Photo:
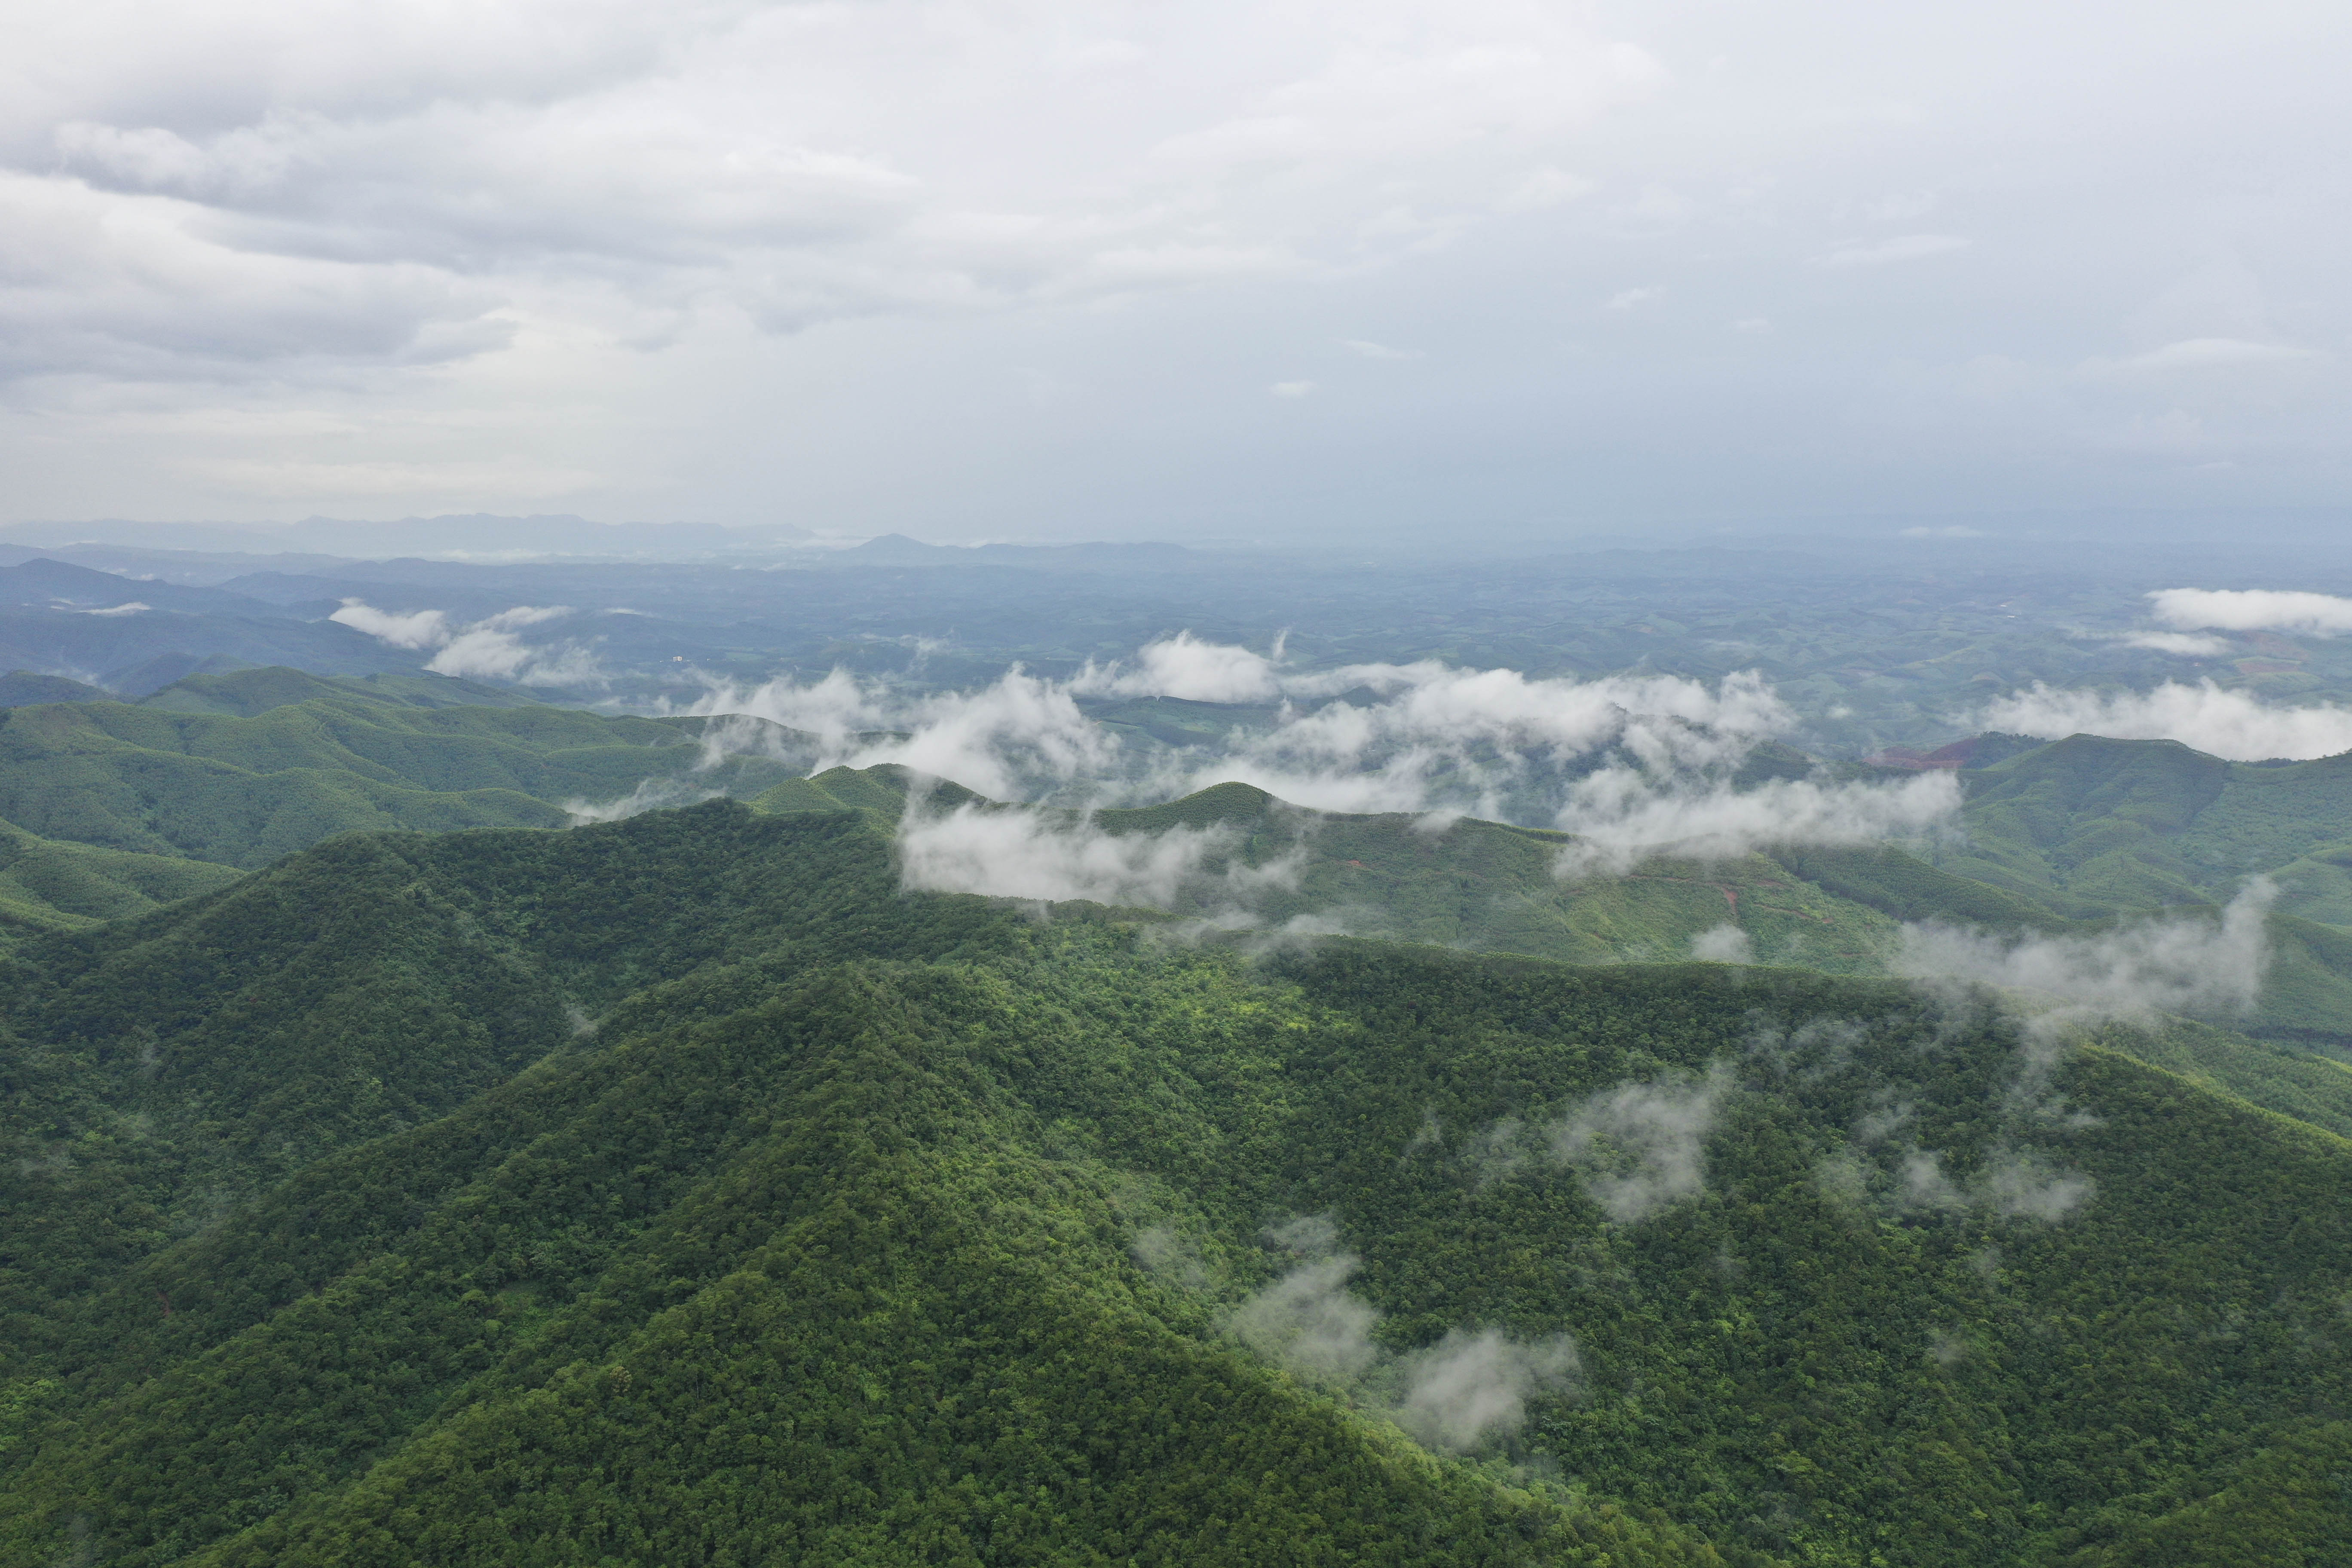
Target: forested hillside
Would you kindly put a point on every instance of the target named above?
(682, 1191)
(241, 769)
(236, 770)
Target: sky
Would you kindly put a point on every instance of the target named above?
(1276, 271)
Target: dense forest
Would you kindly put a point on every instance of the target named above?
(681, 1190)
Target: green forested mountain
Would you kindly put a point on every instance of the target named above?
(236, 770)
(680, 1190)
(240, 769)
(2087, 826)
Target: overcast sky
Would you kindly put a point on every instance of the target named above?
(1201, 272)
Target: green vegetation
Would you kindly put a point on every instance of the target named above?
(98, 799)
(19, 687)
(2089, 827)
(1490, 886)
(681, 1191)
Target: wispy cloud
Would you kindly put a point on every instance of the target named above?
(1016, 853)
(1641, 1147)
(2187, 645)
(2184, 965)
(489, 648)
(1471, 1387)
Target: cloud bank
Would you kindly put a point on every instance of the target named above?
(1633, 765)
(2180, 965)
(2225, 723)
(1621, 816)
(2251, 610)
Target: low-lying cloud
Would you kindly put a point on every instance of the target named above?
(1306, 1321)
(1407, 738)
(650, 794)
(1630, 765)
(1621, 816)
(2014, 1184)
(2187, 645)
(1018, 737)
(2253, 610)
(486, 649)
(1016, 853)
(1185, 667)
(1642, 1147)
(2223, 723)
(1470, 1387)
(1726, 943)
(2186, 965)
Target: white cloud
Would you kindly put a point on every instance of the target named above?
(1371, 350)
(1184, 666)
(1309, 1322)
(2179, 965)
(1476, 739)
(1726, 943)
(486, 649)
(1622, 815)
(650, 794)
(1410, 738)
(132, 608)
(2233, 724)
(1470, 1386)
(1626, 299)
(1014, 738)
(1641, 1146)
(2013, 1183)
(1291, 388)
(1880, 252)
(2253, 609)
(418, 629)
(1018, 853)
(2016, 1185)
(2185, 644)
